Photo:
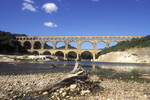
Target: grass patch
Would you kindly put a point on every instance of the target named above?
(134, 75)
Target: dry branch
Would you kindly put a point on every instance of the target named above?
(77, 74)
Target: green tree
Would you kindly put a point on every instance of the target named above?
(9, 45)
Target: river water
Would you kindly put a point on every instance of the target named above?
(12, 68)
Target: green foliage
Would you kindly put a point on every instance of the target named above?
(46, 46)
(37, 45)
(133, 75)
(69, 47)
(72, 55)
(86, 55)
(8, 44)
(98, 72)
(124, 45)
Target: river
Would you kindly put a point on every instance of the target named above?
(14, 68)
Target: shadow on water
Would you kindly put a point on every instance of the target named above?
(66, 66)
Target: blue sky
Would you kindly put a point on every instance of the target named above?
(75, 17)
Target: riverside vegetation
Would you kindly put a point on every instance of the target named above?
(8, 44)
(143, 42)
(133, 75)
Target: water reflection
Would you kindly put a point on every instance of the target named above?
(120, 68)
(94, 67)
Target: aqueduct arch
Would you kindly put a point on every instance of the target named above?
(37, 45)
(86, 54)
(73, 44)
(72, 54)
(46, 53)
(67, 39)
(48, 45)
(86, 45)
(27, 45)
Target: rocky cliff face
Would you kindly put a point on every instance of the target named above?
(138, 55)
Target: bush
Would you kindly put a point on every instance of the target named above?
(135, 73)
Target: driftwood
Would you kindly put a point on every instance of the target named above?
(53, 66)
(77, 74)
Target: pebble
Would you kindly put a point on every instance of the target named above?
(64, 94)
(73, 86)
(60, 91)
(67, 97)
(45, 93)
(56, 94)
(84, 92)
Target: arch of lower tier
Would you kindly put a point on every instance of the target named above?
(65, 52)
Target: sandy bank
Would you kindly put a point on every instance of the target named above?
(6, 58)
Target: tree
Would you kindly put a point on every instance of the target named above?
(9, 45)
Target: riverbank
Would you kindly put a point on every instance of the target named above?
(19, 58)
(6, 58)
(12, 86)
(134, 55)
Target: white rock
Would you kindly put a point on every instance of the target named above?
(83, 92)
(67, 96)
(45, 93)
(53, 97)
(64, 94)
(14, 97)
(60, 91)
(73, 86)
(58, 98)
(56, 93)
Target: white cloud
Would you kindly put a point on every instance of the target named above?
(95, 0)
(27, 6)
(50, 24)
(50, 7)
(29, 1)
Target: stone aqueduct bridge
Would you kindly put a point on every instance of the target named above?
(31, 41)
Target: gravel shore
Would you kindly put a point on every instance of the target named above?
(113, 89)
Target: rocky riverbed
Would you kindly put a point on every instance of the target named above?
(12, 86)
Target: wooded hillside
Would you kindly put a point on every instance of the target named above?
(124, 45)
(8, 44)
